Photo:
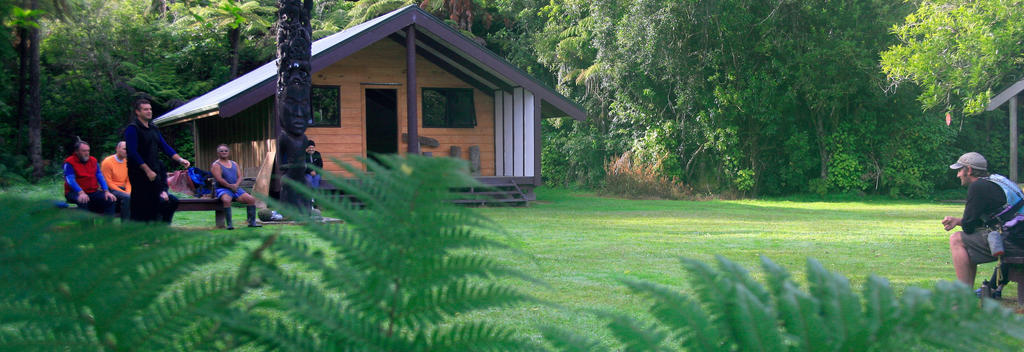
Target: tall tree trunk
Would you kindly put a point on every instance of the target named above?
(819, 131)
(23, 57)
(35, 122)
(233, 38)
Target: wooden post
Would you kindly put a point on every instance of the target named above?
(1013, 138)
(195, 143)
(410, 91)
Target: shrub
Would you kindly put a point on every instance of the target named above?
(625, 177)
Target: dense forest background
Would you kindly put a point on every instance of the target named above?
(726, 97)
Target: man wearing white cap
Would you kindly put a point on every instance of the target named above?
(988, 196)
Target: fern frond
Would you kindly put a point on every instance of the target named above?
(681, 315)
(391, 275)
(635, 336)
(275, 334)
(457, 297)
(753, 323)
(564, 340)
(841, 309)
(828, 316)
(737, 274)
(477, 336)
(83, 281)
(332, 320)
(881, 309)
(800, 314)
(190, 309)
(798, 311)
(441, 271)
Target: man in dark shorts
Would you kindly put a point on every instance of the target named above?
(229, 179)
(146, 172)
(987, 196)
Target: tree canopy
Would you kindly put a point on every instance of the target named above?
(729, 96)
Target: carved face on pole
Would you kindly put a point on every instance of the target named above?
(294, 109)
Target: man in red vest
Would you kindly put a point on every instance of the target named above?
(84, 184)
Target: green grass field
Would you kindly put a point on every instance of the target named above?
(580, 244)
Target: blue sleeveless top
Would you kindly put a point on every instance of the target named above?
(229, 174)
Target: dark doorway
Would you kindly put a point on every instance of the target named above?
(381, 122)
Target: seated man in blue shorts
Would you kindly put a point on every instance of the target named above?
(228, 175)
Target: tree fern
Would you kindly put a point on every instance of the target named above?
(71, 281)
(728, 310)
(396, 275)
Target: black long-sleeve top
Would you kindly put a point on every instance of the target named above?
(984, 199)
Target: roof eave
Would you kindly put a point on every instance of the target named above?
(366, 36)
(499, 64)
(321, 60)
(1005, 96)
(186, 116)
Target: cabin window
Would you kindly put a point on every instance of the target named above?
(448, 107)
(326, 106)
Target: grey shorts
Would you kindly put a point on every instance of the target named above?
(977, 246)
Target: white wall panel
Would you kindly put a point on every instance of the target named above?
(508, 137)
(528, 147)
(517, 132)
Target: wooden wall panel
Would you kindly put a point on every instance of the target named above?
(382, 65)
(249, 134)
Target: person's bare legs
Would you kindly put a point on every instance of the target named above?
(965, 271)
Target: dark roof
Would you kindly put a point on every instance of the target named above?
(435, 41)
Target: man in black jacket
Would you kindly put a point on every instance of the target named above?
(146, 172)
(313, 158)
(985, 198)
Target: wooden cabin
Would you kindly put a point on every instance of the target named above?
(462, 95)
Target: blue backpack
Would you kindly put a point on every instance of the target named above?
(200, 178)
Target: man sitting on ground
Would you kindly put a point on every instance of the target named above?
(987, 196)
(228, 175)
(115, 170)
(84, 184)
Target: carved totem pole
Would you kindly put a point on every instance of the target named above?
(294, 40)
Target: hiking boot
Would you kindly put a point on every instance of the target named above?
(250, 216)
(227, 218)
(996, 294)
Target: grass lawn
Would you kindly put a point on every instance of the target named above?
(580, 244)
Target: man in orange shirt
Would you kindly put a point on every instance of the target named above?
(115, 170)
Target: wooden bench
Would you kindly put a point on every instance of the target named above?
(203, 204)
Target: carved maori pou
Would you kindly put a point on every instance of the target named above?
(294, 39)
